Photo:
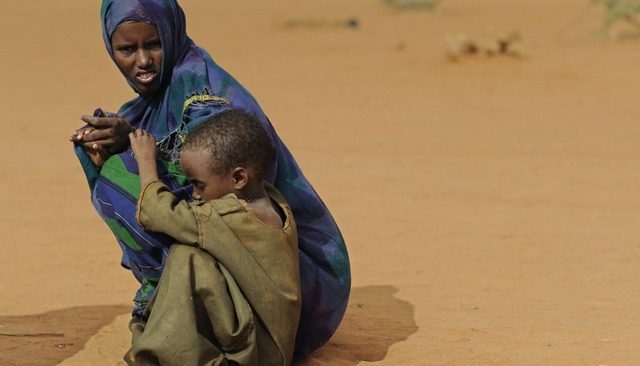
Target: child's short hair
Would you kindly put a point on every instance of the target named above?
(233, 138)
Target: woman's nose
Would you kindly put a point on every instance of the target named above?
(143, 58)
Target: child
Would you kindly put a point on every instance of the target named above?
(230, 290)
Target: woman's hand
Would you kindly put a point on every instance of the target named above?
(110, 134)
(97, 153)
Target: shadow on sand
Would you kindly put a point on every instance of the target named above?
(48, 339)
(375, 320)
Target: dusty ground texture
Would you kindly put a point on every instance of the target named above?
(490, 204)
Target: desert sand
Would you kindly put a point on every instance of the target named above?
(489, 203)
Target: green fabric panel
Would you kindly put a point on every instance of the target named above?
(175, 170)
(122, 234)
(115, 171)
(149, 285)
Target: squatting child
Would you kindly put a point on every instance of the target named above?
(230, 290)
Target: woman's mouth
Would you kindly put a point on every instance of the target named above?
(147, 77)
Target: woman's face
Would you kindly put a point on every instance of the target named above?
(138, 52)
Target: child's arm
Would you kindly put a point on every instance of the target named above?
(144, 149)
(158, 209)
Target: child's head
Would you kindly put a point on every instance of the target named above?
(226, 154)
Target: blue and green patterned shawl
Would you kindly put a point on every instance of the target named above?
(193, 87)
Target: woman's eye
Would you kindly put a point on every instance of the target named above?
(126, 49)
(154, 46)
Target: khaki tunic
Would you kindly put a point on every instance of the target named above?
(229, 294)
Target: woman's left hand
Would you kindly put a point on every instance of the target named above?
(111, 134)
(97, 154)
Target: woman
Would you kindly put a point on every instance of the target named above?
(179, 85)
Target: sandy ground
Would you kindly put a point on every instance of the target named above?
(489, 204)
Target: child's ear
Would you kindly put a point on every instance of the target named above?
(240, 177)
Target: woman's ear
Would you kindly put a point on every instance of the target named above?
(240, 177)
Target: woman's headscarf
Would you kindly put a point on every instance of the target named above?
(190, 81)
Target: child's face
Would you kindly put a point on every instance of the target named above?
(207, 185)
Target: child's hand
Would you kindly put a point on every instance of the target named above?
(144, 149)
(143, 145)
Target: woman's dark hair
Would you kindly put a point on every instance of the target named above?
(233, 138)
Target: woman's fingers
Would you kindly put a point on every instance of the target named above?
(78, 135)
(112, 132)
(97, 154)
(99, 136)
(100, 122)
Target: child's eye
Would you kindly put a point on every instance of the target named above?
(198, 187)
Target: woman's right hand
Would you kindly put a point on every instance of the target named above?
(110, 134)
(97, 154)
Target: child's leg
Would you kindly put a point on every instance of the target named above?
(198, 316)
